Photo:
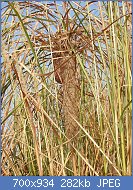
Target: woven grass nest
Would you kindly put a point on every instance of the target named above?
(66, 68)
(64, 46)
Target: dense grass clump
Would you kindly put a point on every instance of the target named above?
(66, 88)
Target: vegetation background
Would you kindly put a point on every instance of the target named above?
(66, 88)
